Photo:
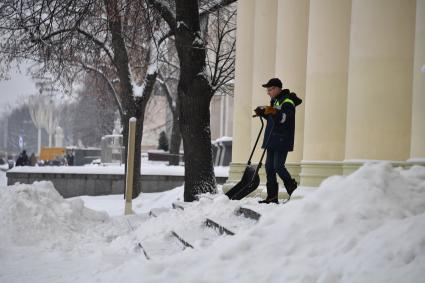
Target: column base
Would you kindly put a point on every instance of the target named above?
(308, 173)
(314, 172)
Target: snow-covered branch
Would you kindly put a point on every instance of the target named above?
(165, 12)
(214, 6)
(109, 83)
(167, 91)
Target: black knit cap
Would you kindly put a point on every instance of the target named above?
(273, 82)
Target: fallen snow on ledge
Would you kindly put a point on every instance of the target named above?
(146, 169)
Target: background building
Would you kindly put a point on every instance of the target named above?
(221, 116)
(357, 66)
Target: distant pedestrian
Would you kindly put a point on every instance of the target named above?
(33, 159)
(23, 159)
(70, 158)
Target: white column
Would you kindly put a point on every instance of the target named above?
(264, 61)
(326, 90)
(255, 64)
(243, 77)
(291, 59)
(417, 148)
(380, 79)
(59, 137)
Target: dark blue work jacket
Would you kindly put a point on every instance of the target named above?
(280, 129)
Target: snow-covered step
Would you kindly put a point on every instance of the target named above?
(233, 222)
(248, 213)
(262, 209)
(198, 236)
(159, 247)
(142, 250)
(179, 205)
(207, 196)
(181, 239)
(155, 212)
(220, 228)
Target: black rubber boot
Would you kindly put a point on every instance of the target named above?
(291, 186)
(272, 191)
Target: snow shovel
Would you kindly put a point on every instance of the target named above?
(250, 179)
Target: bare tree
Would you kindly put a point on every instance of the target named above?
(120, 41)
(20, 126)
(116, 39)
(168, 80)
(194, 91)
(37, 110)
(93, 112)
(221, 49)
(218, 28)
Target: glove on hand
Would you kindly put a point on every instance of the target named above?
(264, 111)
(270, 110)
(259, 111)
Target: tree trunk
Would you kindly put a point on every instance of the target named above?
(132, 107)
(195, 94)
(137, 109)
(199, 170)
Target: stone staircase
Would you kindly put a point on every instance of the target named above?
(198, 234)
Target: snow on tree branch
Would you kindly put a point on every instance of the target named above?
(166, 12)
(213, 6)
(109, 83)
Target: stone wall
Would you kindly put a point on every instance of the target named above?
(71, 185)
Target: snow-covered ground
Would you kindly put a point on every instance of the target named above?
(366, 227)
(3, 179)
(114, 204)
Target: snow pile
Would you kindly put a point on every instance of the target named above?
(4, 167)
(37, 212)
(3, 179)
(367, 227)
(114, 204)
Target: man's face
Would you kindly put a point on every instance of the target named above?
(273, 91)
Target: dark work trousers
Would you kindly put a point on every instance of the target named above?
(275, 163)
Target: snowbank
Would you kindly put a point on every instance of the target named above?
(34, 213)
(114, 204)
(3, 179)
(366, 227)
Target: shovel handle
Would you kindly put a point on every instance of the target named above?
(256, 141)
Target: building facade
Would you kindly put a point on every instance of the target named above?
(359, 67)
(221, 108)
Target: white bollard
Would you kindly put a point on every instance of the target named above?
(130, 166)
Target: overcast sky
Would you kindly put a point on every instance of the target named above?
(19, 85)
